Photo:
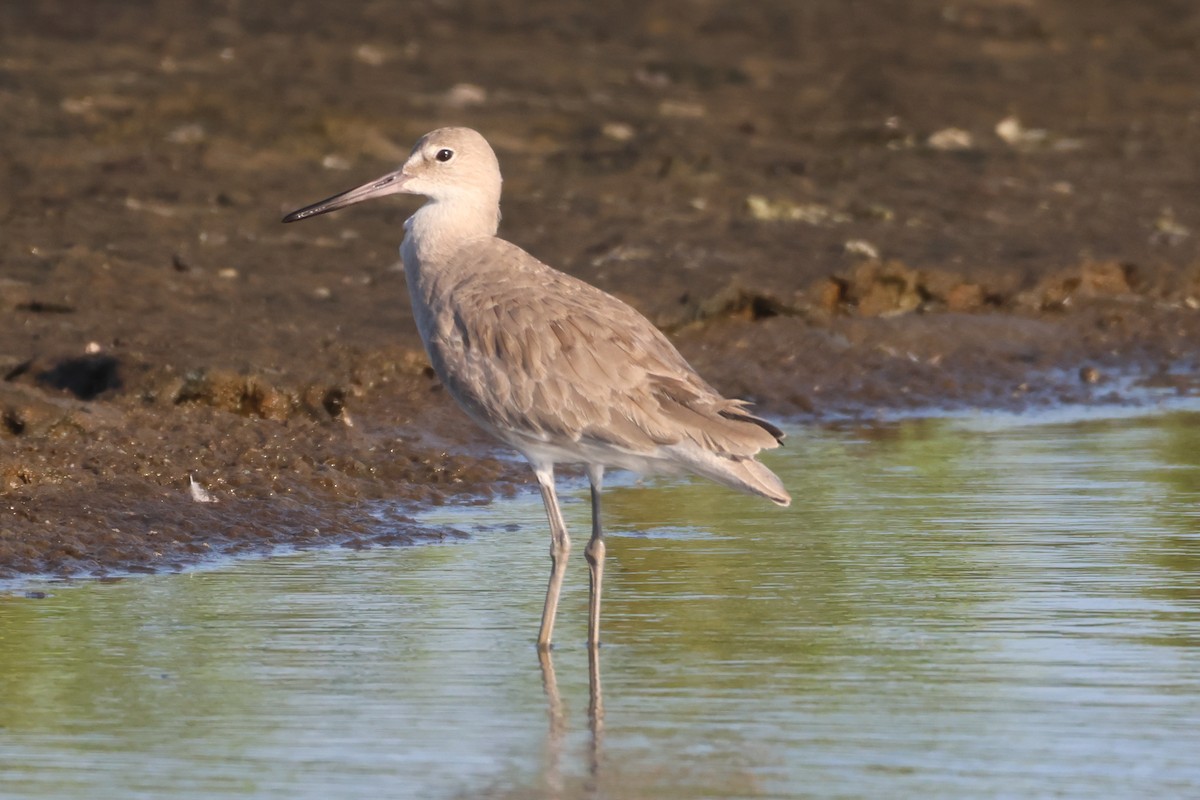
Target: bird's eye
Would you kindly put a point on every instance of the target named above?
(444, 155)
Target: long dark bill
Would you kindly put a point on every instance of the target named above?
(392, 183)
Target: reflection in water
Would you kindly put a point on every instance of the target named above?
(595, 711)
(557, 723)
(557, 720)
(949, 609)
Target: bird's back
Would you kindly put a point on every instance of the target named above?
(570, 374)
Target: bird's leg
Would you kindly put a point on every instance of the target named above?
(560, 547)
(595, 557)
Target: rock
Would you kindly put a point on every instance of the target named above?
(830, 294)
(370, 54)
(965, 297)
(885, 289)
(861, 247)
(463, 95)
(618, 131)
(951, 139)
(1014, 134)
(766, 210)
(1106, 278)
(1168, 230)
(191, 133)
(679, 109)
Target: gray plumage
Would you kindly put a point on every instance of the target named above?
(558, 369)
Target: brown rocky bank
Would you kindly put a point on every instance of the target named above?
(834, 208)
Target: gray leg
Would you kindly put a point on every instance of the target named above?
(595, 557)
(560, 547)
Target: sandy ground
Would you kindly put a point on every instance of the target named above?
(834, 208)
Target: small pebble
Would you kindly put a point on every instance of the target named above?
(951, 139)
(1012, 132)
(466, 94)
(679, 109)
(766, 210)
(370, 54)
(191, 133)
(861, 247)
(618, 131)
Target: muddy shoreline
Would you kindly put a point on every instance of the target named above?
(838, 210)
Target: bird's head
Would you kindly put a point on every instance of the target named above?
(446, 165)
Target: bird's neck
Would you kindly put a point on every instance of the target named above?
(433, 236)
(441, 226)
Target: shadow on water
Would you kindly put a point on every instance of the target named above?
(950, 608)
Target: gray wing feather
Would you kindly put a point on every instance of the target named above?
(534, 350)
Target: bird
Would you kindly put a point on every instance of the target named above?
(558, 369)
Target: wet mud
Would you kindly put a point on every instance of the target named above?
(834, 208)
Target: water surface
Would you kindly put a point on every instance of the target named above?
(950, 608)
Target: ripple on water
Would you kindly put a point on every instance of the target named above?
(950, 608)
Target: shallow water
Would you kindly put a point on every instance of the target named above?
(951, 608)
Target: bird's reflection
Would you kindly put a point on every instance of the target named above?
(557, 719)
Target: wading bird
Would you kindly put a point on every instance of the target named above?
(558, 369)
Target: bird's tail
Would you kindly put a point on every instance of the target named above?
(743, 473)
(751, 476)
